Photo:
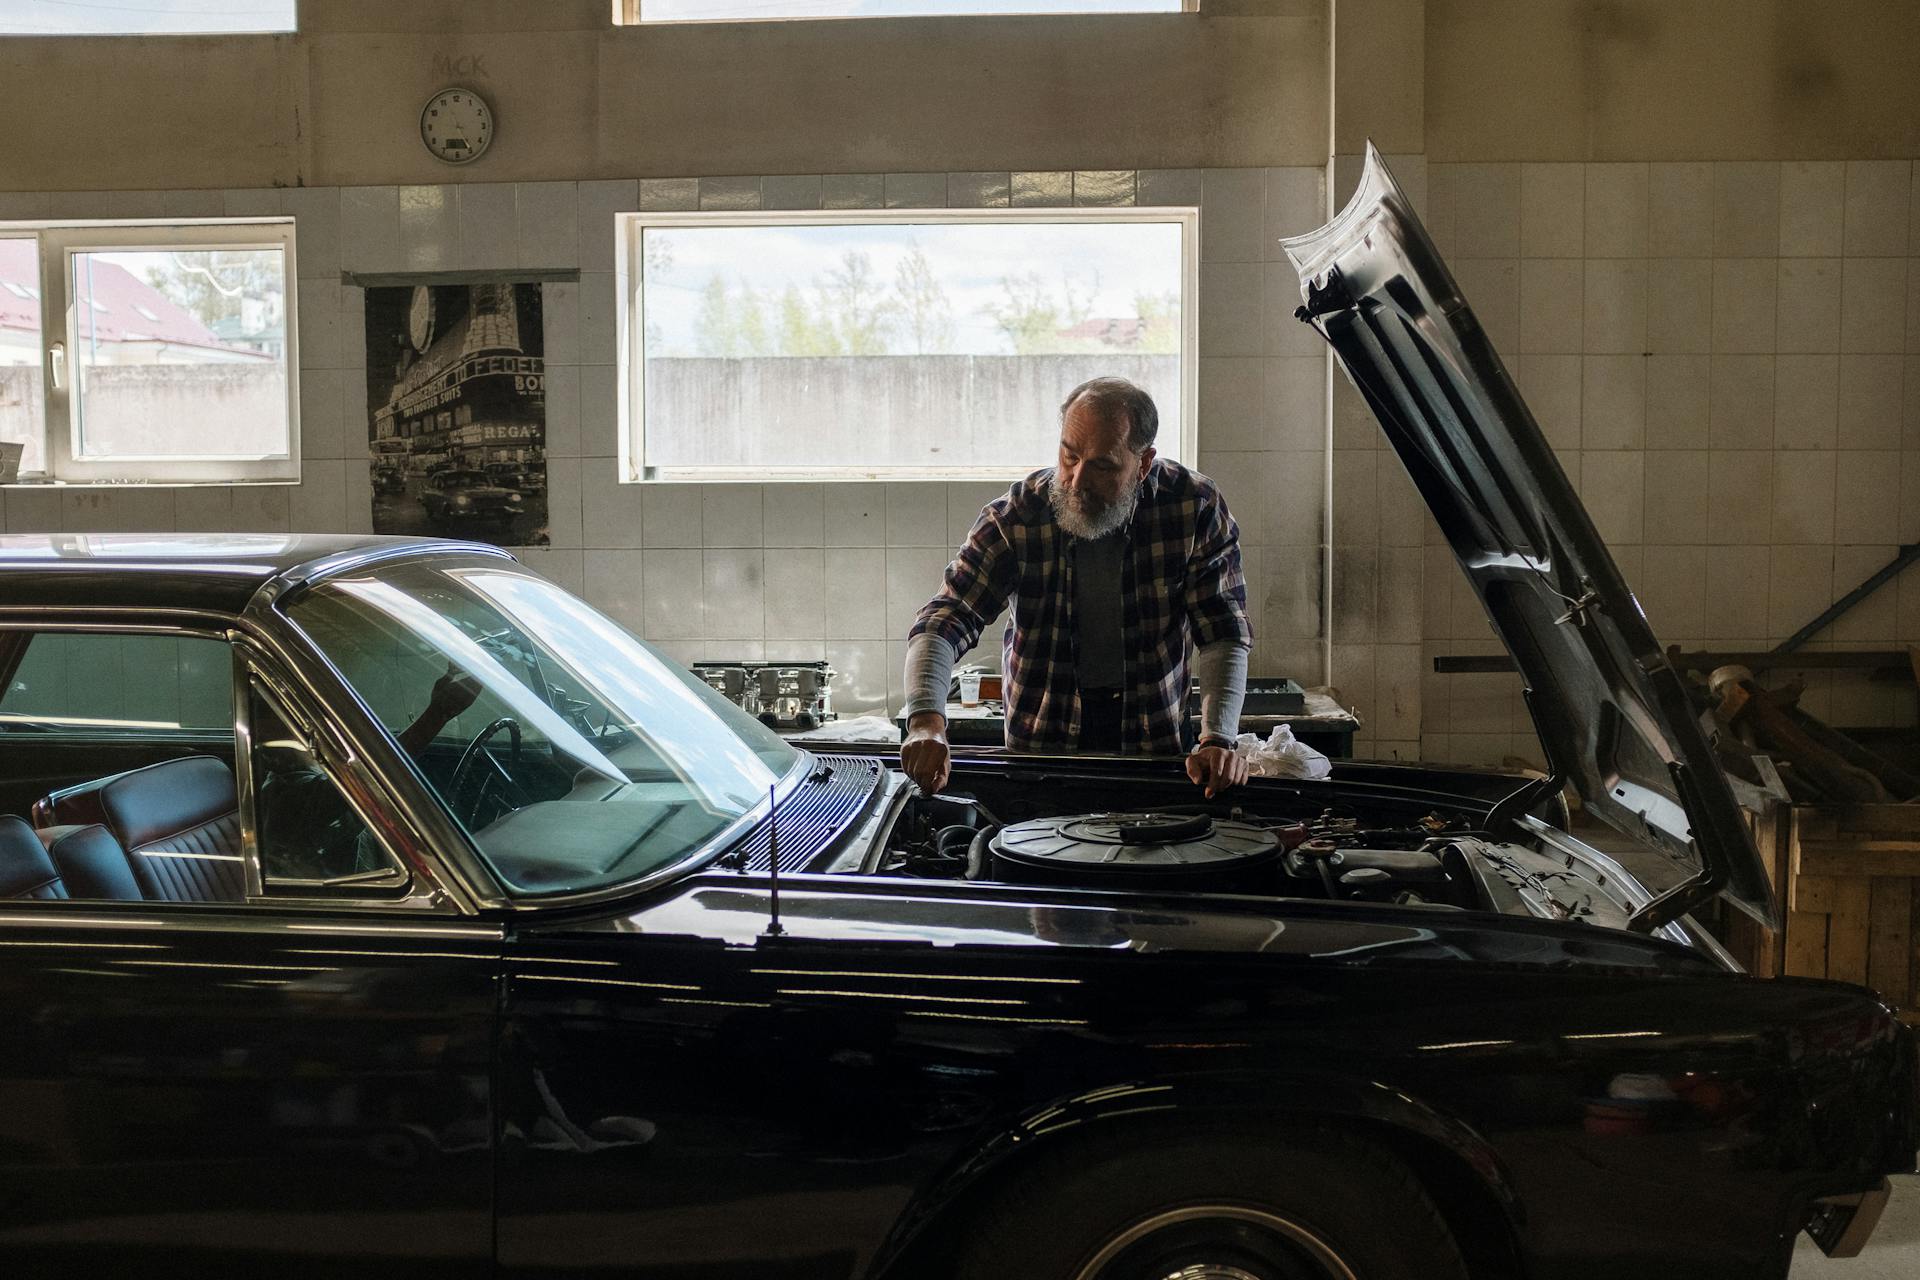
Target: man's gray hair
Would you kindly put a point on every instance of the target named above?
(1116, 397)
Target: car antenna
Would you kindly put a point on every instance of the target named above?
(773, 862)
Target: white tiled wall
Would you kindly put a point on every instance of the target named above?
(1727, 358)
(797, 571)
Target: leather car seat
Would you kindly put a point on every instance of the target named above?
(91, 863)
(26, 868)
(178, 821)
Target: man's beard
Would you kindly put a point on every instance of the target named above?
(1085, 516)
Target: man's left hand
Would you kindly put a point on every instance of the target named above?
(1216, 769)
(453, 693)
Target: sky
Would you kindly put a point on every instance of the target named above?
(103, 17)
(1112, 262)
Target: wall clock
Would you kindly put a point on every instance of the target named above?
(457, 125)
(420, 318)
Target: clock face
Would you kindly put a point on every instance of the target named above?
(457, 125)
(420, 318)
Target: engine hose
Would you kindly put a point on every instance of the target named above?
(948, 839)
(979, 857)
(1326, 878)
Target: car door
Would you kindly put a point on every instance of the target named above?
(298, 1079)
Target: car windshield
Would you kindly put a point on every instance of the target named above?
(463, 479)
(575, 756)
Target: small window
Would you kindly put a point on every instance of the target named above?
(310, 836)
(914, 346)
(165, 353)
(633, 12)
(148, 18)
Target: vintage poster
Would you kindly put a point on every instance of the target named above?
(456, 412)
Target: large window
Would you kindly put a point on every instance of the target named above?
(911, 345)
(144, 17)
(149, 353)
(627, 12)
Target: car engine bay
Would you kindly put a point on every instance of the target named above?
(1331, 852)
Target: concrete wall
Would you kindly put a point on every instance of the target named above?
(792, 411)
(1244, 84)
(1643, 80)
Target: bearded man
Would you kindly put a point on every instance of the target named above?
(1116, 563)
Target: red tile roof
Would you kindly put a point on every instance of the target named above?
(115, 288)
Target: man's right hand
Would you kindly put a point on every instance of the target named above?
(923, 754)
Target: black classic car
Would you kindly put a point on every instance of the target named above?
(453, 498)
(373, 903)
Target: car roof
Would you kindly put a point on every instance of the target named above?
(210, 572)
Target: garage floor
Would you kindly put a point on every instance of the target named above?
(1892, 1254)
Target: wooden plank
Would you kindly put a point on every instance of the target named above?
(1848, 930)
(1882, 819)
(1852, 861)
(1889, 946)
(1811, 893)
(1817, 823)
(1806, 955)
(1865, 842)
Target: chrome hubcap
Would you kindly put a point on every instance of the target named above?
(1305, 1249)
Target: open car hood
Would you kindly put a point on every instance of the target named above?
(1612, 714)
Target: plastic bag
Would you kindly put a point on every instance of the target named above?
(856, 729)
(1281, 756)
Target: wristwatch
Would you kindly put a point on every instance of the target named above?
(1214, 740)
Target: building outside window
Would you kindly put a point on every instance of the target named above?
(920, 345)
(140, 352)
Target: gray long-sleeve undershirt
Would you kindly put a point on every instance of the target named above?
(1220, 668)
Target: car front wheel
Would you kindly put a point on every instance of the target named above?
(1315, 1205)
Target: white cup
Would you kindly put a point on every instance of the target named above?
(969, 688)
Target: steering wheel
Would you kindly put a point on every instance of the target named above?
(470, 759)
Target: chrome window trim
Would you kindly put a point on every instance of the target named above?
(224, 917)
(300, 576)
(100, 617)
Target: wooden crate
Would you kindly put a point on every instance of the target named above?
(1851, 905)
(1762, 951)
(1846, 882)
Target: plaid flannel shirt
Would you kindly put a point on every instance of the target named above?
(1181, 583)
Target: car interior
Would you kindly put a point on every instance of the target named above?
(117, 776)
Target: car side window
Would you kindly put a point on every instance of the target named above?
(117, 768)
(309, 834)
(87, 682)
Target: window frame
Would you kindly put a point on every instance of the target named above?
(631, 334)
(56, 244)
(632, 13)
(132, 33)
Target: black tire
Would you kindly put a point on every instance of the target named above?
(1305, 1204)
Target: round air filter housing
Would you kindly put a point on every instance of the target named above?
(1181, 852)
